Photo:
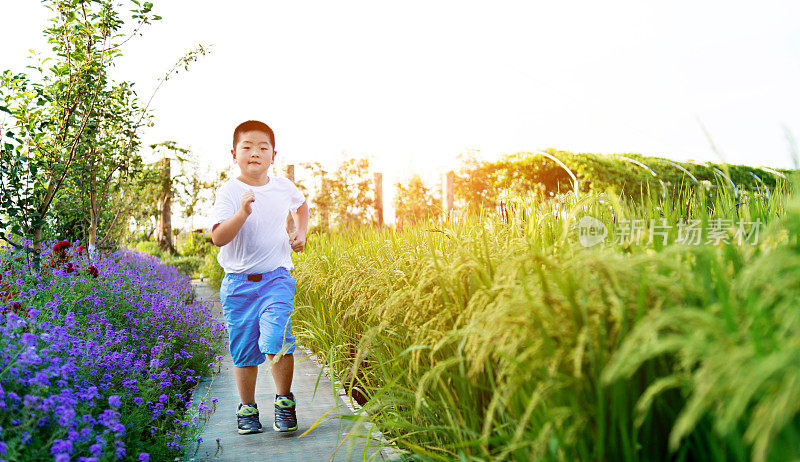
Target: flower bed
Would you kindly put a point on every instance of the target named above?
(99, 357)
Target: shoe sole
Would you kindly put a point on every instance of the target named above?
(247, 432)
(284, 431)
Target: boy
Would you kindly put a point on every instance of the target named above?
(257, 291)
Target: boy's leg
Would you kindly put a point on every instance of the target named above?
(275, 338)
(238, 297)
(276, 327)
(246, 383)
(282, 373)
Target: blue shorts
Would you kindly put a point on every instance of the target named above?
(257, 315)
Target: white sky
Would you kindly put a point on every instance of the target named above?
(413, 84)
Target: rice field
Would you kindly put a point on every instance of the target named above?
(520, 334)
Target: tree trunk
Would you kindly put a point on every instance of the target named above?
(37, 230)
(37, 247)
(92, 219)
(164, 224)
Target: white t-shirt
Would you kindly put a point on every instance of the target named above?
(262, 244)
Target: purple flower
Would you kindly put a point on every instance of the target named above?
(61, 446)
(97, 341)
(29, 339)
(144, 457)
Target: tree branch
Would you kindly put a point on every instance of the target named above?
(52, 190)
(133, 34)
(69, 86)
(14, 244)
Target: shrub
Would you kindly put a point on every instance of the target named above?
(188, 265)
(196, 245)
(212, 270)
(150, 248)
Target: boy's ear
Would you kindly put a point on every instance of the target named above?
(233, 153)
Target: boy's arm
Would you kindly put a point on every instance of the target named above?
(224, 232)
(300, 218)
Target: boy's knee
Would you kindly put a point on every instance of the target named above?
(284, 357)
(274, 343)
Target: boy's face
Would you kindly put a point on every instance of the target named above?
(254, 154)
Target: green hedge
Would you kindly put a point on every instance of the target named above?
(485, 184)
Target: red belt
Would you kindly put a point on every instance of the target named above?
(254, 277)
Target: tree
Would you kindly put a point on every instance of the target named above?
(165, 190)
(102, 175)
(56, 120)
(74, 134)
(184, 184)
(322, 200)
(196, 190)
(344, 197)
(350, 187)
(415, 203)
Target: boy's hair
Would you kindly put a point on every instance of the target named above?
(253, 125)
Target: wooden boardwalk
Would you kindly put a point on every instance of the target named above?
(327, 441)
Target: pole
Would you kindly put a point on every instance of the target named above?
(289, 220)
(447, 193)
(379, 198)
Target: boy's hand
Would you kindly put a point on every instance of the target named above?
(297, 241)
(247, 199)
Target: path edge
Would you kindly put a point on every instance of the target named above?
(387, 450)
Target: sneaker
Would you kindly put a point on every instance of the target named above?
(247, 417)
(285, 417)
